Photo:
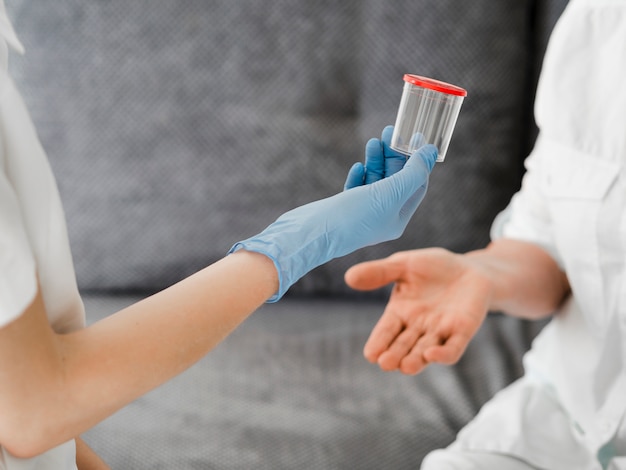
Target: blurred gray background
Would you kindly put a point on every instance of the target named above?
(176, 128)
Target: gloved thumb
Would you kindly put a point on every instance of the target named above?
(427, 154)
(415, 173)
(408, 186)
(419, 167)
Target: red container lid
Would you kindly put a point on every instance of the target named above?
(436, 85)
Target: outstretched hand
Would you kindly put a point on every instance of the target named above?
(379, 199)
(437, 305)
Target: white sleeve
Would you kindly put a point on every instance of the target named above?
(7, 32)
(527, 217)
(8, 39)
(18, 281)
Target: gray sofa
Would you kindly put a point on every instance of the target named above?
(177, 128)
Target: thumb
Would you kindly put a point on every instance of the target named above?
(428, 154)
(413, 180)
(423, 159)
(372, 275)
(415, 173)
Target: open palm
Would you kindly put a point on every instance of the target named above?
(437, 304)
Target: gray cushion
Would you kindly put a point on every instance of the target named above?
(178, 128)
(290, 389)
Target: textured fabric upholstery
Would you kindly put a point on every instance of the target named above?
(178, 128)
(290, 389)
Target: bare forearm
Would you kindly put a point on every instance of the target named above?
(526, 281)
(149, 342)
(87, 459)
(96, 371)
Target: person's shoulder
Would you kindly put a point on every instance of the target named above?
(7, 33)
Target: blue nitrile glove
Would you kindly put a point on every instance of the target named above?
(381, 161)
(310, 235)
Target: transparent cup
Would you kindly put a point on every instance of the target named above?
(427, 115)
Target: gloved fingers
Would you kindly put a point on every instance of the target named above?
(381, 161)
(394, 161)
(418, 169)
(417, 141)
(374, 161)
(356, 176)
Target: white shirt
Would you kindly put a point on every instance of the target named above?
(570, 404)
(33, 237)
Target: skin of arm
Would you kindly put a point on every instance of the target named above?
(441, 298)
(87, 459)
(54, 387)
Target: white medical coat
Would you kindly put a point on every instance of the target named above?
(33, 236)
(567, 412)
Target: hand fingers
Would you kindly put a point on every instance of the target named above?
(449, 352)
(417, 140)
(355, 177)
(415, 361)
(406, 350)
(394, 161)
(399, 349)
(409, 349)
(374, 161)
(381, 160)
(412, 350)
(375, 274)
(383, 334)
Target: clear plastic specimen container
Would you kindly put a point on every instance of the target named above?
(427, 115)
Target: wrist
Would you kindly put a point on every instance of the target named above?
(293, 248)
(483, 265)
(264, 265)
(526, 281)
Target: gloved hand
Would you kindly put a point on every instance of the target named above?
(381, 160)
(374, 208)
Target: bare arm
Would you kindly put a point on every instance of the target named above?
(57, 386)
(54, 387)
(525, 281)
(87, 459)
(440, 298)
